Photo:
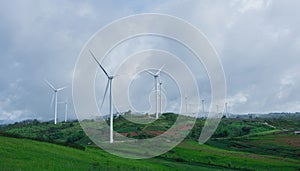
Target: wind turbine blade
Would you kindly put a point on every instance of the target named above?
(160, 69)
(120, 75)
(62, 88)
(151, 73)
(105, 93)
(98, 63)
(49, 84)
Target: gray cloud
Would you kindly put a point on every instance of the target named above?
(258, 42)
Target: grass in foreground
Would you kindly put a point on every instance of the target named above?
(189, 155)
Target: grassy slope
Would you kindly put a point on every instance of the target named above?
(233, 159)
(278, 143)
(238, 144)
(34, 155)
(63, 132)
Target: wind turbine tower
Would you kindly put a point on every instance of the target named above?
(186, 105)
(226, 110)
(160, 84)
(203, 108)
(66, 111)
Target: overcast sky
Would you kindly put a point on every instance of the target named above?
(258, 42)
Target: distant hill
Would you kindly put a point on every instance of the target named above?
(5, 122)
(285, 115)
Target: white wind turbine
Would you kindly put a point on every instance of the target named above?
(217, 109)
(108, 85)
(226, 109)
(156, 75)
(66, 109)
(203, 111)
(160, 85)
(55, 96)
(186, 105)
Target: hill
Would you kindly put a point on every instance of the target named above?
(34, 155)
(238, 144)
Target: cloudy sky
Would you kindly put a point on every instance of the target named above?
(258, 42)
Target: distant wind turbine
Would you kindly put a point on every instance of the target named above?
(226, 110)
(54, 97)
(186, 105)
(203, 111)
(160, 85)
(66, 109)
(108, 85)
(156, 75)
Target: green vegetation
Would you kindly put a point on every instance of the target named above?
(189, 155)
(238, 144)
(282, 144)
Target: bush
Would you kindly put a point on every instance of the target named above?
(246, 130)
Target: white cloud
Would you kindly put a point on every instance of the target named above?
(247, 5)
(239, 98)
(289, 80)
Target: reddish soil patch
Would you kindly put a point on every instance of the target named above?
(279, 139)
(295, 141)
(131, 133)
(155, 132)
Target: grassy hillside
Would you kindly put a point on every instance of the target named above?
(71, 132)
(34, 155)
(272, 137)
(281, 143)
(238, 144)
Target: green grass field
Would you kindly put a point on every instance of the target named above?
(189, 155)
(237, 144)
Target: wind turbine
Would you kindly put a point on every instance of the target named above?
(203, 108)
(160, 84)
(66, 109)
(55, 98)
(108, 85)
(186, 105)
(226, 110)
(156, 75)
